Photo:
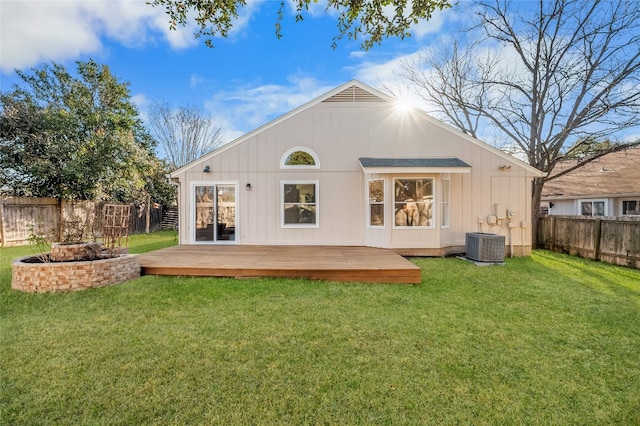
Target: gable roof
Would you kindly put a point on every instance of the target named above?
(614, 174)
(354, 91)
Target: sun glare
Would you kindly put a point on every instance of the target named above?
(403, 105)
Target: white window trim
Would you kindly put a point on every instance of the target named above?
(317, 204)
(433, 210)
(286, 155)
(448, 203)
(383, 204)
(622, 213)
(598, 200)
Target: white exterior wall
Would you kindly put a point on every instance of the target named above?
(571, 207)
(563, 207)
(341, 133)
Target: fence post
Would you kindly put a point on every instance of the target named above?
(62, 205)
(553, 233)
(597, 226)
(148, 218)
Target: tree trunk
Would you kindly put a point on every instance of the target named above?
(536, 195)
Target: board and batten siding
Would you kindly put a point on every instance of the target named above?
(340, 134)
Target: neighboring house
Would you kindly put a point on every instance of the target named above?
(351, 168)
(608, 186)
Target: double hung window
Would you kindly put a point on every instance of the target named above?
(299, 198)
(446, 212)
(300, 204)
(376, 203)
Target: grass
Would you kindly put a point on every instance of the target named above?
(548, 339)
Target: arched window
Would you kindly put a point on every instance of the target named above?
(300, 158)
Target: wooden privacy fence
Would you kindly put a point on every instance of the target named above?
(613, 240)
(21, 216)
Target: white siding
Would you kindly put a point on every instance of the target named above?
(341, 133)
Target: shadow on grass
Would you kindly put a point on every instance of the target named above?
(602, 277)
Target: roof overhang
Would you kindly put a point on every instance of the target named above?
(414, 165)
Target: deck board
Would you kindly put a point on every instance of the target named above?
(336, 263)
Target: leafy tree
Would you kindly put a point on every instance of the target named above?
(73, 137)
(185, 134)
(587, 148)
(372, 19)
(300, 158)
(553, 82)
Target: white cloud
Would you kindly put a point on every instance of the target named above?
(36, 31)
(195, 80)
(33, 31)
(245, 14)
(248, 106)
(432, 26)
(386, 76)
(141, 101)
(374, 72)
(180, 38)
(385, 73)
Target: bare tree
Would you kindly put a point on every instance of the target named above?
(184, 134)
(552, 82)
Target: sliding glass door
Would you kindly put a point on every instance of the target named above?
(215, 213)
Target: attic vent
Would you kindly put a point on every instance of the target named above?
(354, 94)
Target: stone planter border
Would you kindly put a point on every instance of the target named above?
(60, 276)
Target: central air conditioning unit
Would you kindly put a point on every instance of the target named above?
(483, 247)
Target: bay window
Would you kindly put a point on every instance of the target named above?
(446, 212)
(376, 203)
(413, 203)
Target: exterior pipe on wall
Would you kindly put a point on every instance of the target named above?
(511, 225)
(523, 226)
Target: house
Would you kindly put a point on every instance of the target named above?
(351, 168)
(607, 186)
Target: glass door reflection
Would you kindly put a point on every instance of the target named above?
(215, 213)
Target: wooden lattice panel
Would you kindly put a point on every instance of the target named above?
(115, 226)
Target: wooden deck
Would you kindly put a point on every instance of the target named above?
(336, 263)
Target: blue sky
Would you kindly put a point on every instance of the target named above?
(244, 81)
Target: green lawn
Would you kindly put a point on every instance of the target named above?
(548, 339)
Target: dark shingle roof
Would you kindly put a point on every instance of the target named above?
(614, 173)
(413, 162)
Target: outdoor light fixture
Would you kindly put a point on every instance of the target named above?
(247, 186)
(207, 169)
(505, 167)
